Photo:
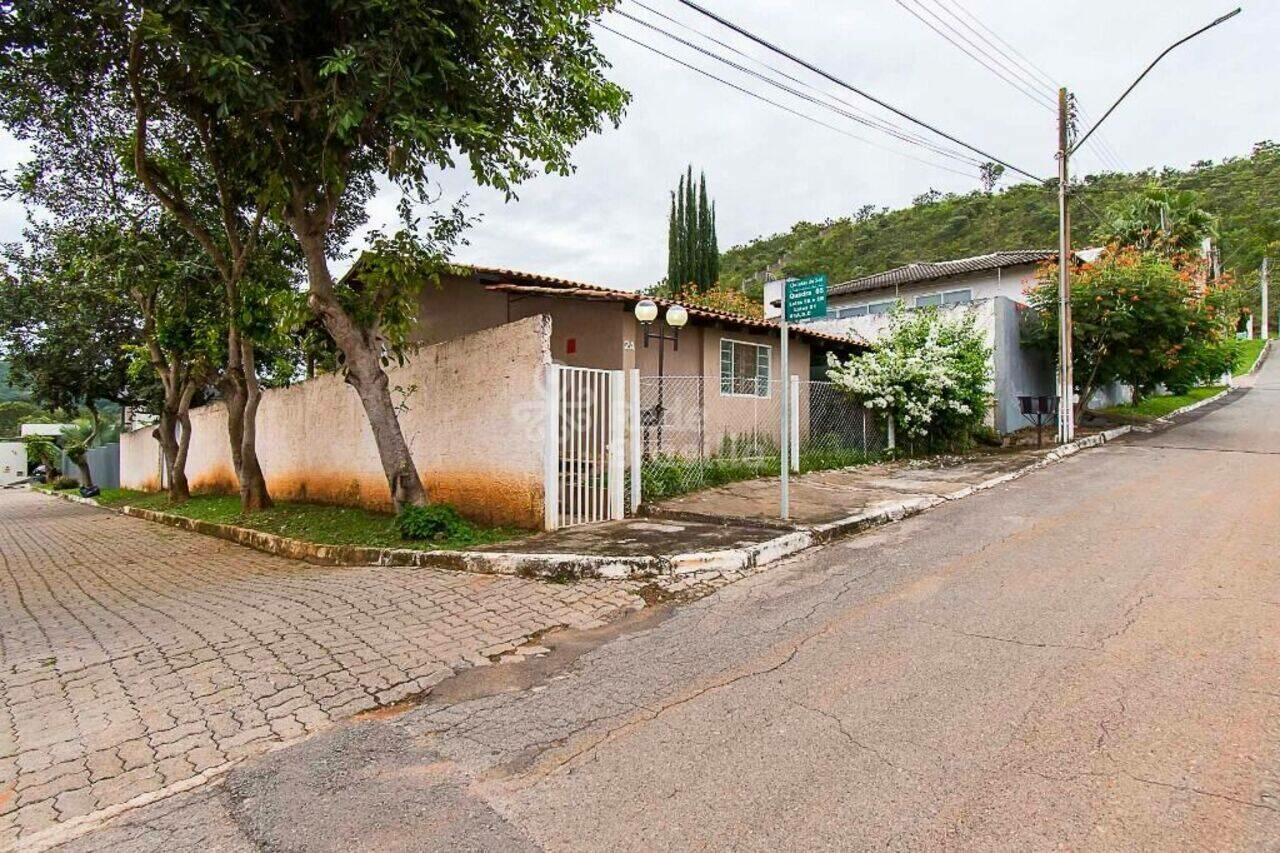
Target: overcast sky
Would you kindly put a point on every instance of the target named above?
(767, 169)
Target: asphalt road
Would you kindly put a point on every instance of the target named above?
(1088, 658)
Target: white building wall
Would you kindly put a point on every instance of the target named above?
(1015, 370)
(1010, 282)
(13, 462)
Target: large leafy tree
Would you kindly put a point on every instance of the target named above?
(175, 291)
(1137, 318)
(294, 108)
(72, 85)
(66, 338)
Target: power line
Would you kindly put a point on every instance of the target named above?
(796, 93)
(980, 57)
(780, 106)
(832, 78)
(1014, 60)
(877, 121)
(1031, 68)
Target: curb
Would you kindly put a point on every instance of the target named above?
(571, 567)
(904, 509)
(1191, 407)
(1262, 356)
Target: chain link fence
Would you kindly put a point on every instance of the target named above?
(698, 432)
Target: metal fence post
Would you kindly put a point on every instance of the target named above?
(617, 445)
(794, 422)
(893, 442)
(633, 407)
(551, 452)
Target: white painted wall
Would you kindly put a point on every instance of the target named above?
(13, 462)
(1010, 282)
(1015, 370)
(53, 430)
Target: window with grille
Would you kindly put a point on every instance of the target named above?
(744, 369)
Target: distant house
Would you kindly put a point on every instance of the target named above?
(993, 286)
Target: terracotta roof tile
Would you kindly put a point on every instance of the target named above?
(498, 276)
(920, 272)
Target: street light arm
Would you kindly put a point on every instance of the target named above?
(1146, 71)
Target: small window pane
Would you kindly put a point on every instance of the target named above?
(855, 311)
(744, 369)
(880, 307)
(726, 367)
(930, 299)
(957, 297)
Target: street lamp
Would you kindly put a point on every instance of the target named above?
(677, 315)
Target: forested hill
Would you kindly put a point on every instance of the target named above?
(1243, 191)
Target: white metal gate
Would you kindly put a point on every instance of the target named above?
(585, 446)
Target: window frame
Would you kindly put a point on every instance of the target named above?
(730, 377)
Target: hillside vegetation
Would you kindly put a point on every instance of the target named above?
(1244, 192)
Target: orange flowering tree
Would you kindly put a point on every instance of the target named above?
(719, 297)
(1137, 318)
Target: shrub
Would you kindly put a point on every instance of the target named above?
(64, 483)
(434, 523)
(930, 372)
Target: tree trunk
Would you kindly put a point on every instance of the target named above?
(174, 446)
(86, 476)
(242, 393)
(363, 362)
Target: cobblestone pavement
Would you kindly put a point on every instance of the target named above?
(137, 660)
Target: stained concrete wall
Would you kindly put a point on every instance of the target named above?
(473, 417)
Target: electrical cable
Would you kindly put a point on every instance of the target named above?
(856, 90)
(780, 106)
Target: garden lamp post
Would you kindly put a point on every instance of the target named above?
(676, 317)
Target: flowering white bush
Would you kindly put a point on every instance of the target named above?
(932, 374)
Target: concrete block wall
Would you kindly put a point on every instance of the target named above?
(472, 411)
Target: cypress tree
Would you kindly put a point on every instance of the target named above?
(702, 273)
(690, 231)
(713, 251)
(693, 255)
(673, 250)
(681, 247)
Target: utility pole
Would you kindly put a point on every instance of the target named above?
(1266, 269)
(1066, 409)
(1066, 381)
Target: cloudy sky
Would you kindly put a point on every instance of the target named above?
(767, 169)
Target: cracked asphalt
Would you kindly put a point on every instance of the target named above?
(1085, 658)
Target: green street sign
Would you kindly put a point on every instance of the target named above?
(806, 298)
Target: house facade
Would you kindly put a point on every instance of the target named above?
(596, 327)
(992, 287)
(523, 395)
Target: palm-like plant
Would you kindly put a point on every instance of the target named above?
(1159, 219)
(77, 438)
(41, 450)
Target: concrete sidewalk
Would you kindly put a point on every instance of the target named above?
(823, 497)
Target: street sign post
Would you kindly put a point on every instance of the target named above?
(802, 299)
(806, 298)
